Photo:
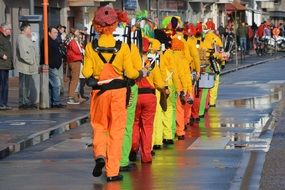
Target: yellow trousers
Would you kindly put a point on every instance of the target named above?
(214, 91)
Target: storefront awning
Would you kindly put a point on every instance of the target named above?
(234, 6)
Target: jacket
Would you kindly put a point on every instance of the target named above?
(74, 54)
(122, 63)
(27, 60)
(54, 55)
(6, 49)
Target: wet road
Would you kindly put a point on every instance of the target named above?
(215, 154)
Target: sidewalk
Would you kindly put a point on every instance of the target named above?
(20, 129)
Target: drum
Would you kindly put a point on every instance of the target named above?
(206, 80)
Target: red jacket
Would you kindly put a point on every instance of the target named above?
(73, 52)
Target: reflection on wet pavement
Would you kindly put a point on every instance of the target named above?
(241, 121)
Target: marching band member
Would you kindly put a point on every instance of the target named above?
(146, 105)
(105, 64)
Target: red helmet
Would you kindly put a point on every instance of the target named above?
(210, 25)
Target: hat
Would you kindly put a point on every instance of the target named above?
(123, 16)
(210, 25)
(199, 28)
(192, 29)
(105, 16)
(162, 37)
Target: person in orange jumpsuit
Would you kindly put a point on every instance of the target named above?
(146, 107)
(105, 63)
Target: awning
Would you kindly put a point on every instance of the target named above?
(234, 6)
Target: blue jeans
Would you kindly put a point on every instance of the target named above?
(243, 45)
(4, 86)
(54, 86)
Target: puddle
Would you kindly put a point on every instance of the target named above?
(242, 121)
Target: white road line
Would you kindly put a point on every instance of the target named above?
(209, 143)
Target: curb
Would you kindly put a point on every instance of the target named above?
(250, 65)
(42, 136)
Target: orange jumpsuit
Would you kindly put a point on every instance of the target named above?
(108, 109)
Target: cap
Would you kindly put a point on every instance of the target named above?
(105, 16)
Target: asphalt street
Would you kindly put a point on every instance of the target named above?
(225, 150)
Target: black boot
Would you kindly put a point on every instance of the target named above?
(115, 178)
(97, 171)
(128, 167)
(133, 156)
(168, 141)
(156, 147)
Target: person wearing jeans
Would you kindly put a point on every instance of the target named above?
(54, 88)
(54, 65)
(242, 33)
(6, 64)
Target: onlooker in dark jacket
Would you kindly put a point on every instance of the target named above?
(6, 64)
(55, 62)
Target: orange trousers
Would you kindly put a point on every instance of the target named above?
(187, 112)
(108, 116)
(180, 125)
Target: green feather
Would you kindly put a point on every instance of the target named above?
(142, 15)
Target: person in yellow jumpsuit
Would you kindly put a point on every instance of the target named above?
(217, 45)
(104, 71)
(182, 56)
(163, 128)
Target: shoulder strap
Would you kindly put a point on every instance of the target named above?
(101, 50)
(114, 49)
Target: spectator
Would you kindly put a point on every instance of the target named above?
(55, 61)
(27, 64)
(242, 33)
(250, 35)
(276, 31)
(6, 64)
(281, 27)
(74, 60)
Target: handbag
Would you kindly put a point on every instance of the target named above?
(206, 80)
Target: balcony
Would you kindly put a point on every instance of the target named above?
(85, 3)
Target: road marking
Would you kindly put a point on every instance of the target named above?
(245, 82)
(276, 82)
(209, 143)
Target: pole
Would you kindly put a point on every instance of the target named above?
(32, 5)
(45, 14)
(236, 38)
(157, 9)
(44, 74)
